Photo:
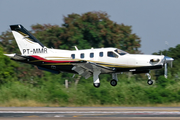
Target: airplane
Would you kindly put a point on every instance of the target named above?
(87, 62)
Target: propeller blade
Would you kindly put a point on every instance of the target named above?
(171, 64)
(167, 60)
(165, 70)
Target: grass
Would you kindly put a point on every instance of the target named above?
(126, 93)
(33, 103)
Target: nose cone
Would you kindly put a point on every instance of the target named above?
(168, 59)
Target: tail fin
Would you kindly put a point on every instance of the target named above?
(27, 43)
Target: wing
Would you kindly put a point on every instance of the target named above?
(83, 68)
(86, 69)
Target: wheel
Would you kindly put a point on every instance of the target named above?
(113, 82)
(149, 82)
(96, 85)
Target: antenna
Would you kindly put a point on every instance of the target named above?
(76, 48)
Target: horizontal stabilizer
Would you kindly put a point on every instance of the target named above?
(15, 57)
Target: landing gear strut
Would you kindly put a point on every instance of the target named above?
(149, 82)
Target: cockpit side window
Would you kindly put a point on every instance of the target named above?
(111, 54)
(120, 52)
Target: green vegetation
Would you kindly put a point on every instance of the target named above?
(126, 93)
(25, 85)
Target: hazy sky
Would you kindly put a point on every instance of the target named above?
(154, 21)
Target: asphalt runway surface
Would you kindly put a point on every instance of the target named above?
(88, 113)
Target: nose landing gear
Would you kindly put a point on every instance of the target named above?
(149, 82)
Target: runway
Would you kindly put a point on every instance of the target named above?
(80, 113)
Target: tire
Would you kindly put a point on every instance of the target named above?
(96, 85)
(113, 82)
(149, 82)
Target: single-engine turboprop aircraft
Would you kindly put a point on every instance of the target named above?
(87, 62)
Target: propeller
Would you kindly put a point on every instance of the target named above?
(167, 60)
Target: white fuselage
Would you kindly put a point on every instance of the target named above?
(101, 56)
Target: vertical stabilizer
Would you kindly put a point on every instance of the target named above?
(27, 43)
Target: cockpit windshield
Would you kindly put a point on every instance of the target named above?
(120, 52)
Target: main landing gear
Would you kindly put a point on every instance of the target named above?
(114, 80)
(96, 85)
(149, 82)
(96, 81)
(96, 78)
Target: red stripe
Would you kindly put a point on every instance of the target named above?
(49, 61)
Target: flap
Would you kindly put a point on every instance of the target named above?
(90, 66)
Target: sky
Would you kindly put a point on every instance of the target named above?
(156, 22)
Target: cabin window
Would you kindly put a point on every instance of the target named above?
(82, 55)
(112, 54)
(101, 54)
(73, 56)
(91, 55)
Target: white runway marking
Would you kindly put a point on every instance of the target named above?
(98, 112)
